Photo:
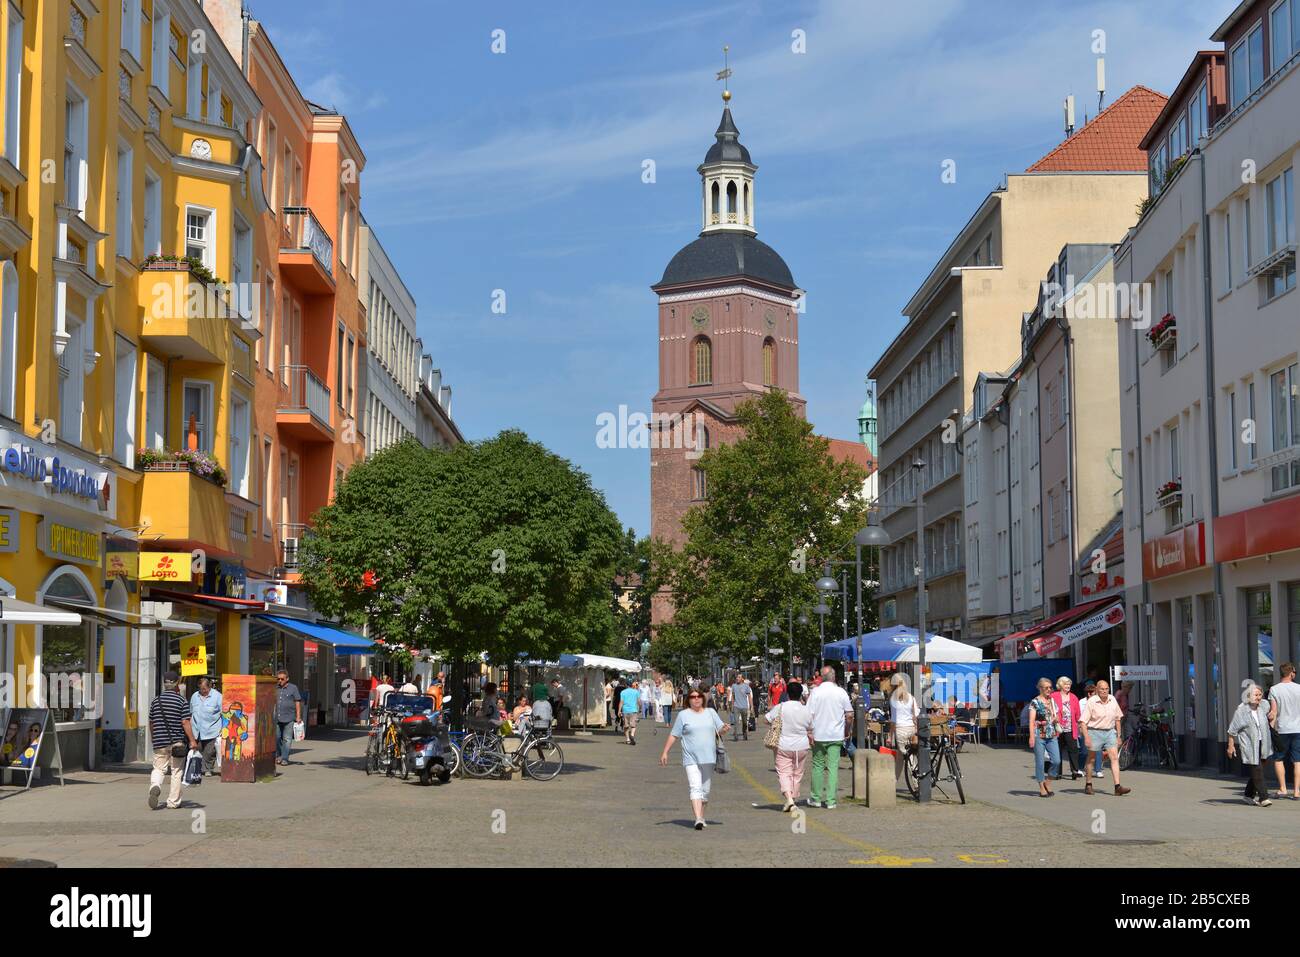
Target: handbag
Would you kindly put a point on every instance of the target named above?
(193, 774)
(300, 731)
(723, 763)
(772, 740)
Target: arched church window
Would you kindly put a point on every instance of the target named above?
(701, 361)
(749, 212)
(769, 362)
(717, 198)
(699, 484)
(731, 201)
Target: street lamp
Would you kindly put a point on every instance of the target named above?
(872, 535)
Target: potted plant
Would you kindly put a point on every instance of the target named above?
(1164, 333)
(182, 460)
(1170, 492)
(194, 265)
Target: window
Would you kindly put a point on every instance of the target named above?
(1227, 252)
(13, 86)
(8, 339)
(1246, 243)
(239, 445)
(699, 484)
(701, 361)
(196, 416)
(159, 54)
(75, 133)
(152, 214)
(1259, 634)
(1284, 31)
(1175, 463)
(1246, 66)
(351, 375)
(271, 156)
(124, 407)
(1232, 428)
(131, 27)
(198, 236)
(194, 92)
(769, 362)
(241, 263)
(338, 367)
(1254, 422)
(268, 499)
(1283, 392)
(1053, 516)
(155, 404)
(286, 338)
(1159, 163)
(1198, 115)
(72, 383)
(1280, 230)
(125, 205)
(66, 649)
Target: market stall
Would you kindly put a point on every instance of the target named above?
(583, 677)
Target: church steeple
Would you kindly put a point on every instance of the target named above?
(727, 174)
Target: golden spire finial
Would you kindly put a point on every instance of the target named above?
(724, 74)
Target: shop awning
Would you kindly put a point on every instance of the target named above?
(241, 606)
(15, 612)
(1066, 628)
(125, 619)
(344, 642)
(599, 661)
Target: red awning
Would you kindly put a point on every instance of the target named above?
(243, 606)
(1065, 618)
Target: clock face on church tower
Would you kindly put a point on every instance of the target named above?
(769, 317)
(700, 317)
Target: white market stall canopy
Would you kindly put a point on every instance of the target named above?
(599, 661)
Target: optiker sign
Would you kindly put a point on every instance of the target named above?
(50, 472)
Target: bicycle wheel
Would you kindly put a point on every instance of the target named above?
(1127, 754)
(912, 773)
(1170, 752)
(451, 760)
(478, 760)
(955, 771)
(543, 760)
(372, 756)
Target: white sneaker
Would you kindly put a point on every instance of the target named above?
(812, 803)
(700, 825)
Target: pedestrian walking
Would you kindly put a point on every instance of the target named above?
(740, 699)
(832, 715)
(1093, 767)
(794, 743)
(1102, 717)
(170, 730)
(650, 700)
(1044, 734)
(609, 701)
(1067, 742)
(630, 706)
(667, 700)
(1247, 733)
(903, 712)
(288, 712)
(698, 728)
(1284, 717)
(205, 716)
(776, 690)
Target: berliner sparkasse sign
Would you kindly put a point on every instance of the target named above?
(55, 473)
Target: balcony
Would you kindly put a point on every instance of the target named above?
(186, 312)
(180, 505)
(290, 537)
(306, 251)
(304, 409)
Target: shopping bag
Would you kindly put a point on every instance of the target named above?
(723, 763)
(192, 776)
(299, 731)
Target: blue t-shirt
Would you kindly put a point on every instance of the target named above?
(697, 730)
(630, 700)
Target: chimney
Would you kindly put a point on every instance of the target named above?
(445, 400)
(433, 382)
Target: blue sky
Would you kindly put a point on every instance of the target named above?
(522, 171)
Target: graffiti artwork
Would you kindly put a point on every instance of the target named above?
(248, 728)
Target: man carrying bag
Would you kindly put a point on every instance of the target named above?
(169, 731)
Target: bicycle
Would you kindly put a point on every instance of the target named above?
(385, 749)
(483, 754)
(943, 753)
(1152, 742)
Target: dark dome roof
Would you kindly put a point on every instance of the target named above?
(728, 148)
(721, 255)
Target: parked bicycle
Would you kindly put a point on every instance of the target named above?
(1151, 742)
(483, 753)
(385, 749)
(943, 763)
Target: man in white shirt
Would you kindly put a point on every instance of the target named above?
(832, 718)
(1284, 716)
(381, 692)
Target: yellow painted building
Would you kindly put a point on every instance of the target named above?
(129, 195)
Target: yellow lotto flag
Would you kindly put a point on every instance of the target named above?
(194, 657)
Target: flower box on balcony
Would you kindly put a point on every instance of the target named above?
(1169, 494)
(183, 460)
(191, 265)
(1164, 334)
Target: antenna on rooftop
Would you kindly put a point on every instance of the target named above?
(1069, 116)
(1101, 82)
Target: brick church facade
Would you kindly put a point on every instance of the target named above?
(728, 331)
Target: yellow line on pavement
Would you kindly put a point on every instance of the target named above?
(880, 856)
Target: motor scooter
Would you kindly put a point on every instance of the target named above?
(426, 747)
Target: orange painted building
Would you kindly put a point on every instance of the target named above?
(309, 364)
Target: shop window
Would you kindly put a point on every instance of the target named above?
(1293, 621)
(1187, 635)
(1213, 680)
(66, 651)
(1259, 635)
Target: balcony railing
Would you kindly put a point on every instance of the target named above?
(307, 392)
(302, 230)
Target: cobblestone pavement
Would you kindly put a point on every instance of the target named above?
(614, 805)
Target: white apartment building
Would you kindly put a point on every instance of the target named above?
(393, 349)
(435, 428)
(1210, 398)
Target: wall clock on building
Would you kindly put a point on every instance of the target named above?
(201, 149)
(700, 317)
(769, 317)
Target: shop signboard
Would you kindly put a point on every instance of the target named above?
(1176, 552)
(194, 656)
(30, 743)
(164, 566)
(10, 529)
(70, 543)
(247, 728)
(260, 589)
(121, 564)
(40, 469)
(1121, 673)
(1099, 621)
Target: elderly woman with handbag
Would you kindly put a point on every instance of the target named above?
(790, 735)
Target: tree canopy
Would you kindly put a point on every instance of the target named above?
(497, 546)
(778, 505)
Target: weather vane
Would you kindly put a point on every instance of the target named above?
(724, 74)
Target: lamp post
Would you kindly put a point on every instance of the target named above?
(877, 536)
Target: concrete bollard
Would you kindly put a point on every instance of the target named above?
(877, 771)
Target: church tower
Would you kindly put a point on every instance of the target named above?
(728, 331)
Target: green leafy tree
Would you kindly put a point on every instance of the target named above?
(497, 546)
(773, 496)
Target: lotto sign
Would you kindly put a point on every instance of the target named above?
(164, 566)
(194, 657)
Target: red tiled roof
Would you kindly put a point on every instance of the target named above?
(843, 450)
(1109, 143)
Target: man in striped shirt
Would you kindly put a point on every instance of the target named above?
(169, 731)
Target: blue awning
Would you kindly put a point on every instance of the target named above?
(343, 642)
